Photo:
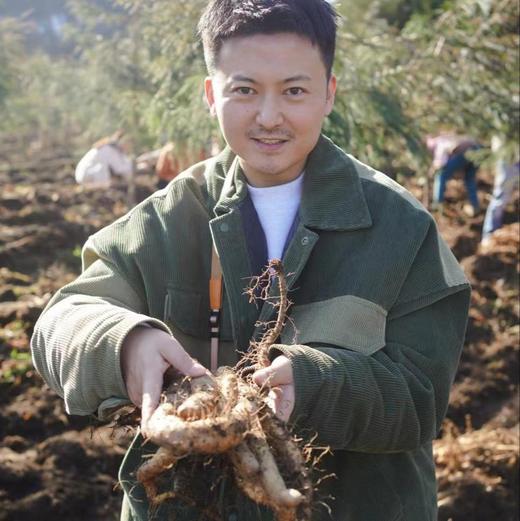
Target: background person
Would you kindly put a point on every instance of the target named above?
(449, 156)
(168, 166)
(507, 179)
(108, 157)
(172, 160)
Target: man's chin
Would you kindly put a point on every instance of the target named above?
(259, 168)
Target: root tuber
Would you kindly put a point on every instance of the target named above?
(227, 415)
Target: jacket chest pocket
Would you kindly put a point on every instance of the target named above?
(188, 311)
(346, 321)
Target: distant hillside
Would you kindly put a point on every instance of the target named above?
(46, 19)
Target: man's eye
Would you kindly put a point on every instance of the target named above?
(243, 90)
(295, 91)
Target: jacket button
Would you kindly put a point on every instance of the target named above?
(224, 227)
(305, 241)
(233, 516)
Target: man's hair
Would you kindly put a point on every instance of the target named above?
(315, 20)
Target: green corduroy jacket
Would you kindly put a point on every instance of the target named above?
(377, 323)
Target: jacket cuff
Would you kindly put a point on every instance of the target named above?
(108, 363)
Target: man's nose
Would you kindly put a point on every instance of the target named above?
(269, 114)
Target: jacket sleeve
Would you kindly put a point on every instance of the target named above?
(391, 401)
(77, 340)
(395, 398)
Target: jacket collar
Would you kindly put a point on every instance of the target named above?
(332, 198)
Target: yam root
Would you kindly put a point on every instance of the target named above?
(202, 402)
(206, 436)
(272, 481)
(163, 460)
(244, 461)
(226, 416)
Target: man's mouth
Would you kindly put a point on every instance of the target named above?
(270, 141)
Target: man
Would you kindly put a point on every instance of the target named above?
(449, 156)
(379, 302)
(507, 177)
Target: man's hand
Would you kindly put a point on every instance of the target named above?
(145, 355)
(279, 377)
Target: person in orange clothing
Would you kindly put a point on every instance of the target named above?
(171, 163)
(167, 166)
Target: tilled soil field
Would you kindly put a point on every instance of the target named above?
(54, 466)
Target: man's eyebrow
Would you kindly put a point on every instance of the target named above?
(298, 77)
(239, 77)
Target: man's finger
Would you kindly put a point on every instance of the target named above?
(151, 395)
(182, 361)
(278, 373)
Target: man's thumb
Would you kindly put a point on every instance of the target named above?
(278, 373)
(266, 376)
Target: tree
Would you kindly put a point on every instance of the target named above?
(454, 66)
(405, 69)
(11, 49)
(150, 74)
(469, 69)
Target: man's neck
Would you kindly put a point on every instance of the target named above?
(262, 179)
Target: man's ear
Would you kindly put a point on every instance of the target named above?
(210, 95)
(331, 93)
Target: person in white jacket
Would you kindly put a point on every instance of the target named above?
(106, 158)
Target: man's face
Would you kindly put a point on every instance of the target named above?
(270, 94)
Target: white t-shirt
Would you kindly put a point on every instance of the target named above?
(95, 166)
(276, 207)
